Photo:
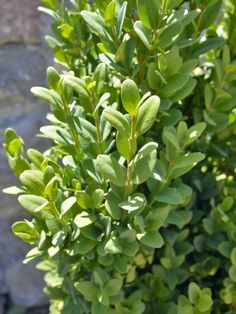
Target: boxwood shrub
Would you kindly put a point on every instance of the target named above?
(132, 207)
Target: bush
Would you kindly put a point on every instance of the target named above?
(134, 202)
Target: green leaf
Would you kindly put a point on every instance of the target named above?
(60, 236)
(205, 303)
(103, 298)
(32, 255)
(195, 132)
(210, 14)
(76, 84)
(120, 264)
(52, 4)
(83, 246)
(88, 289)
(121, 18)
(51, 189)
(49, 96)
(152, 239)
(174, 83)
(36, 157)
(93, 232)
(170, 196)
(209, 44)
(57, 134)
(100, 77)
(148, 12)
(100, 276)
(169, 34)
(110, 13)
(135, 202)
(115, 172)
(128, 236)
(173, 4)
(67, 204)
(34, 204)
(66, 30)
(15, 146)
(87, 130)
(94, 21)
(144, 162)
(33, 181)
(13, 190)
(154, 77)
(225, 248)
(112, 206)
(168, 136)
(143, 33)
(173, 61)
(51, 13)
(97, 198)
(99, 308)
(117, 120)
(122, 144)
(186, 163)
(83, 219)
(233, 256)
(232, 273)
(26, 231)
(130, 248)
(113, 286)
(113, 246)
(184, 305)
(147, 114)
(84, 200)
(130, 96)
(185, 91)
(194, 292)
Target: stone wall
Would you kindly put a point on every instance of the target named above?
(23, 60)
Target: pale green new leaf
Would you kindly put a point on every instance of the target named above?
(130, 95)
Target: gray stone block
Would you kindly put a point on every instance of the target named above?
(23, 61)
(19, 21)
(25, 285)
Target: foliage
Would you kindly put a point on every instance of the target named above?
(134, 202)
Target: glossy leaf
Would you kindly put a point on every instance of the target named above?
(115, 172)
(147, 114)
(130, 96)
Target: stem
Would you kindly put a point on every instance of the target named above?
(132, 149)
(97, 125)
(55, 212)
(160, 188)
(73, 130)
(99, 138)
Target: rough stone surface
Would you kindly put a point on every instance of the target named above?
(23, 61)
(32, 294)
(19, 21)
